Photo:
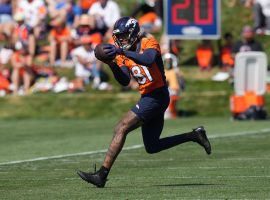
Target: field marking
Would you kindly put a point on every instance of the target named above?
(242, 133)
(66, 155)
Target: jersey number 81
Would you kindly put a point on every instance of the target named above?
(139, 76)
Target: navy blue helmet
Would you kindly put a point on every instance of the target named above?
(126, 32)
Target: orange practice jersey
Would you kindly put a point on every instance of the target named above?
(150, 77)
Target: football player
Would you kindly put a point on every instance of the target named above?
(139, 56)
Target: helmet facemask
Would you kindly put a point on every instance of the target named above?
(126, 32)
(125, 40)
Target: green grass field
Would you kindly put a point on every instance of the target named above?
(237, 169)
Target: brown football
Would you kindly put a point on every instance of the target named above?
(101, 55)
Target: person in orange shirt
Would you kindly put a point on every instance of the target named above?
(140, 57)
(150, 19)
(87, 27)
(227, 59)
(21, 62)
(22, 33)
(59, 39)
(86, 5)
(204, 55)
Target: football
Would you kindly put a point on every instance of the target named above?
(101, 55)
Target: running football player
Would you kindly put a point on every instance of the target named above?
(139, 56)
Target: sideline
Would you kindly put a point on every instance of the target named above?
(242, 133)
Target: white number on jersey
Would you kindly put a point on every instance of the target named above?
(141, 78)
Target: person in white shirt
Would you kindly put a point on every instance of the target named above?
(106, 12)
(34, 13)
(86, 64)
(261, 10)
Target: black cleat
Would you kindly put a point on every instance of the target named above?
(202, 139)
(93, 178)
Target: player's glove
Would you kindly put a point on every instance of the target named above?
(109, 49)
(119, 51)
(112, 50)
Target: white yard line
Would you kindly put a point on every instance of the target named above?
(66, 155)
(243, 133)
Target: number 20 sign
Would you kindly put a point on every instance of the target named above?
(192, 19)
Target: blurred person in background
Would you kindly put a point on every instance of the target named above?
(151, 16)
(227, 60)
(73, 16)
(86, 65)
(248, 42)
(105, 12)
(86, 27)
(22, 33)
(168, 45)
(60, 40)
(261, 15)
(171, 73)
(34, 12)
(86, 5)
(65, 10)
(6, 52)
(6, 21)
(58, 10)
(21, 62)
(204, 55)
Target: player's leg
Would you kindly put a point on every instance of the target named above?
(128, 123)
(153, 143)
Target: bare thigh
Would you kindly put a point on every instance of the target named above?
(128, 123)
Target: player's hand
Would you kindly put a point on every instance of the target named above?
(109, 49)
(119, 51)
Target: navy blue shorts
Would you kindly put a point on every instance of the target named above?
(152, 105)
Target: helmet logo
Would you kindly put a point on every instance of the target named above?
(131, 23)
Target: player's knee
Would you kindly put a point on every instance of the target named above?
(151, 149)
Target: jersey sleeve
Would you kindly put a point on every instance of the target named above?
(120, 61)
(150, 43)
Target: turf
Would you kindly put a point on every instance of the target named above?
(237, 169)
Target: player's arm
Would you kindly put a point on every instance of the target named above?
(121, 74)
(146, 58)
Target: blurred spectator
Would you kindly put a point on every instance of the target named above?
(86, 5)
(170, 45)
(204, 55)
(86, 27)
(6, 52)
(60, 40)
(150, 20)
(6, 22)
(34, 12)
(74, 14)
(5, 11)
(248, 42)
(172, 77)
(58, 10)
(22, 33)
(106, 12)
(261, 10)
(21, 62)
(86, 64)
(64, 10)
(227, 60)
